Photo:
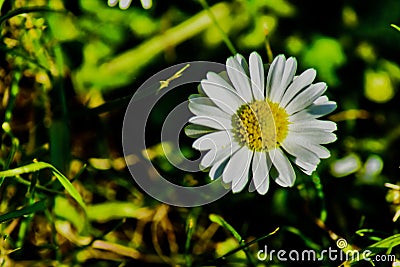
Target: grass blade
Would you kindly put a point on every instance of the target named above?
(318, 185)
(195, 131)
(116, 210)
(36, 207)
(225, 37)
(243, 246)
(395, 26)
(24, 10)
(191, 223)
(37, 166)
(219, 220)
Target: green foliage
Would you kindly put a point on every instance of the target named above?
(219, 220)
(378, 86)
(36, 207)
(68, 70)
(395, 26)
(326, 55)
(37, 166)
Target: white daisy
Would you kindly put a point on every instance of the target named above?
(124, 4)
(256, 123)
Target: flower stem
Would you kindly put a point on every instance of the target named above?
(221, 31)
(317, 182)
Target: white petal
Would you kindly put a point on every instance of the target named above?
(307, 153)
(218, 155)
(213, 140)
(201, 100)
(306, 98)
(300, 116)
(227, 100)
(321, 107)
(274, 78)
(260, 167)
(239, 79)
(112, 2)
(288, 74)
(306, 167)
(214, 156)
(311, 125)
(320, 151)
(237, 169)
(218, 79)
(215, 123)
(286, 175)
(146, 4)
(316, 109)
(208, 159)
(313, 136)
(300, 151)
(220, 161)
(321, 100)
(299, 83)
(124, 4)
(217, 169)
(242, 61)
(257, 76)
(286, 79)
(206, 110)
(224, 75)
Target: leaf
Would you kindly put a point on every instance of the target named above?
(65, 210)
(386, 244)
(190, 229)
(395, 26)
(64, 228)
(116, 210)
(307, 240)
(219, 220)
(227, 246)
(195, 131)
(37, 166)
(246, 245)
(36, 207)
(24, 10)
(116, 248)
(389, 243)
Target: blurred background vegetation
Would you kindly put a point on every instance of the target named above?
(68, 70)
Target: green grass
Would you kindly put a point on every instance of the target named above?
(67, 74)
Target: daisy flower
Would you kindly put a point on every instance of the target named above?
(258, 126)
(124, 4)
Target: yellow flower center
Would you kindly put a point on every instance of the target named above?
(260, 125)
